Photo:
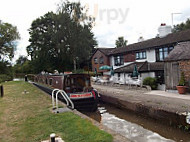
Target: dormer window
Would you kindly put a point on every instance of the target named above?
(140, 55)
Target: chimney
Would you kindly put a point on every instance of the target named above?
(164, 30)
(140, 39)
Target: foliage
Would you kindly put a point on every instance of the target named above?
(182, 80)
(4, 77)
(23, 65)
(151, 82)
(120, 42)
(27, 112)
(182, 26)
(61, 40)
(8, 36)
(5, 68)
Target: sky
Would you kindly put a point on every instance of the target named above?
(128, 18)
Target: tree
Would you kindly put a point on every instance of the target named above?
(8, 37)
(81, 39)
(59, 40)
(182, 26)
(21, 60)
(23, 65)
(120, 42)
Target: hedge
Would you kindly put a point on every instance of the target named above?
(4, 77)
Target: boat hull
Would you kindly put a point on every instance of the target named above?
(81, 104)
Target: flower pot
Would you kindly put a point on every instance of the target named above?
(181, 89)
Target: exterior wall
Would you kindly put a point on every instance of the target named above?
(161, 87)
(112, 61)
(98, 55)
(128, 59)
(185, 67)
(150, 56)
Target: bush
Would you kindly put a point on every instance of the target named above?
(182, 79)
(4, 77)
(151, 82)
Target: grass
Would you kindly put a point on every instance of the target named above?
(27, 118)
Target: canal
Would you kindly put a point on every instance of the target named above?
(136, 127)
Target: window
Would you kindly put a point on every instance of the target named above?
(140, 55)
(162, 53)
(50, 81)
(118, 60)
(101, 60)
(159, 77)
(95, 60)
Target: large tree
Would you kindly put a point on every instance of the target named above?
(120, 42)
(182, 26)
(59, 40)
(8, 37)
(23, 65)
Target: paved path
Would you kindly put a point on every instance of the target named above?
(170, 94)
(172, 102)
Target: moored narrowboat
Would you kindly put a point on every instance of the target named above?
(77, 87)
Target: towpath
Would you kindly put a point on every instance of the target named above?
(157, 104)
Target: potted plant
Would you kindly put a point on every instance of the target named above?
(181, 87)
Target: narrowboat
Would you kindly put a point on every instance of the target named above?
(76, 86)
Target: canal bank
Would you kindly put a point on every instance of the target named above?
(116, 136)
(168, 108)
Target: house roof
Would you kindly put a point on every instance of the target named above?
(172, 38)
(129, 68)
(180, 52)
(105, 51)
(141, 67)
(155, 66)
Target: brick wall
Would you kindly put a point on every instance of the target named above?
(185, 67)
(129, 57)
(98, 55)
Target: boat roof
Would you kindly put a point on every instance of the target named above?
(72, 74)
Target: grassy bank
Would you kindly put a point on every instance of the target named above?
(27, 117)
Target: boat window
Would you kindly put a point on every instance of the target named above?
(72, 81)
(87, 82)
(46, 81)
(50, 81)
(68, 82)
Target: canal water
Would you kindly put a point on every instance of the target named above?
(136, 127)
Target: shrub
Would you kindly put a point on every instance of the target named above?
(182, 79)
(151, 82)
(4, 77)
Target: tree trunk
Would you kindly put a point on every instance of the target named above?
(74, 63)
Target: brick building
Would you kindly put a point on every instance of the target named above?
(101, 58)
(147, 55)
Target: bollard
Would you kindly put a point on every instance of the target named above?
(26, 78)
(2, 92)
(52, 137)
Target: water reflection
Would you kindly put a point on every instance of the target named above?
(136, 127)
